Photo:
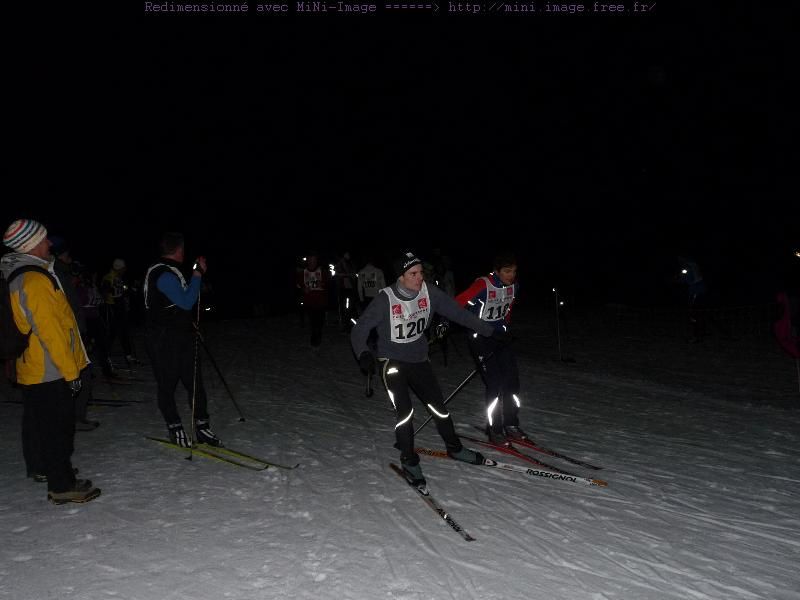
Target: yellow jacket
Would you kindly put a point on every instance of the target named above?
(55, 348)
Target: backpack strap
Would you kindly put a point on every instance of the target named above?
(27, 268)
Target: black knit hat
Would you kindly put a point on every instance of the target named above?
(404, 262)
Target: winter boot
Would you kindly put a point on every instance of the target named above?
(178, 436)
(83, 485)
(497, 437)
(468, 456)
(81, 491)
(515, 432)
(414, 474)
(204, 435)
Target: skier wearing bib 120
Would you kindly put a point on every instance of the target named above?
(491, 299)
(400, 314)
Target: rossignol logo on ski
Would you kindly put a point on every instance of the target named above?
(548, 475)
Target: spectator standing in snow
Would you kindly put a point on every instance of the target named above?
(314, 280)
(370, 282)
(48, 371)
(63, 267)
(692, 277)
(116, 308)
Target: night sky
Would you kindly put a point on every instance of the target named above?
(599, 149)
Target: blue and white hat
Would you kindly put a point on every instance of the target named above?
(23, 235)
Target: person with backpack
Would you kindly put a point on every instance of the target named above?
(49, 359)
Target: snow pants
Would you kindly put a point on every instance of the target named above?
(402, 377)
(173, 353)
(498, 367)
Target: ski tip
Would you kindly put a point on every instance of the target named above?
(599, 482)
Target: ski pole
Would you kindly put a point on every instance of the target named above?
(561, 357)
(458, 389)
(194, 378)
(558, 326)
(222, 378)
(450, 397)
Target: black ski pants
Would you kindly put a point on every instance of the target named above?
(48, 432)
(402, 377)
(498, 368)
(118, 324)
(173, 353)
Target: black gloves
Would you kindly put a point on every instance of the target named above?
(440, 330)
(367, 362)
(74, 386)
(502, 336)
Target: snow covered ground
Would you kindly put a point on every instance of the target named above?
(700, 445)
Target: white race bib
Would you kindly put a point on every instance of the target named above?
(408, 319)
(498, 301)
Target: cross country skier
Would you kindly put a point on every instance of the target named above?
(400, 314)
(491, 299)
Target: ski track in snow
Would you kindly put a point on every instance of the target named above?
(702, 502)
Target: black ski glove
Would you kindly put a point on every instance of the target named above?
(440, 330)
(502, 336)
(367, 363)
(74, 386)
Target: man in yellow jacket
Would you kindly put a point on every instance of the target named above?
(48, 371)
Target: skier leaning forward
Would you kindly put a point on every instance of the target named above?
(400, 314)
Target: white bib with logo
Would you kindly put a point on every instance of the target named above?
(312, 280)
(498, 301)
(408, 318)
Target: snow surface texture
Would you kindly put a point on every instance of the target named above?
(700, 444)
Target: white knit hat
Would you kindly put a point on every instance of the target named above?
(23, 235)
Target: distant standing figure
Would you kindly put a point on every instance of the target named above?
(692, 277)
(346, 288)
(370, 282)
(116, 308)
(314, 281)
